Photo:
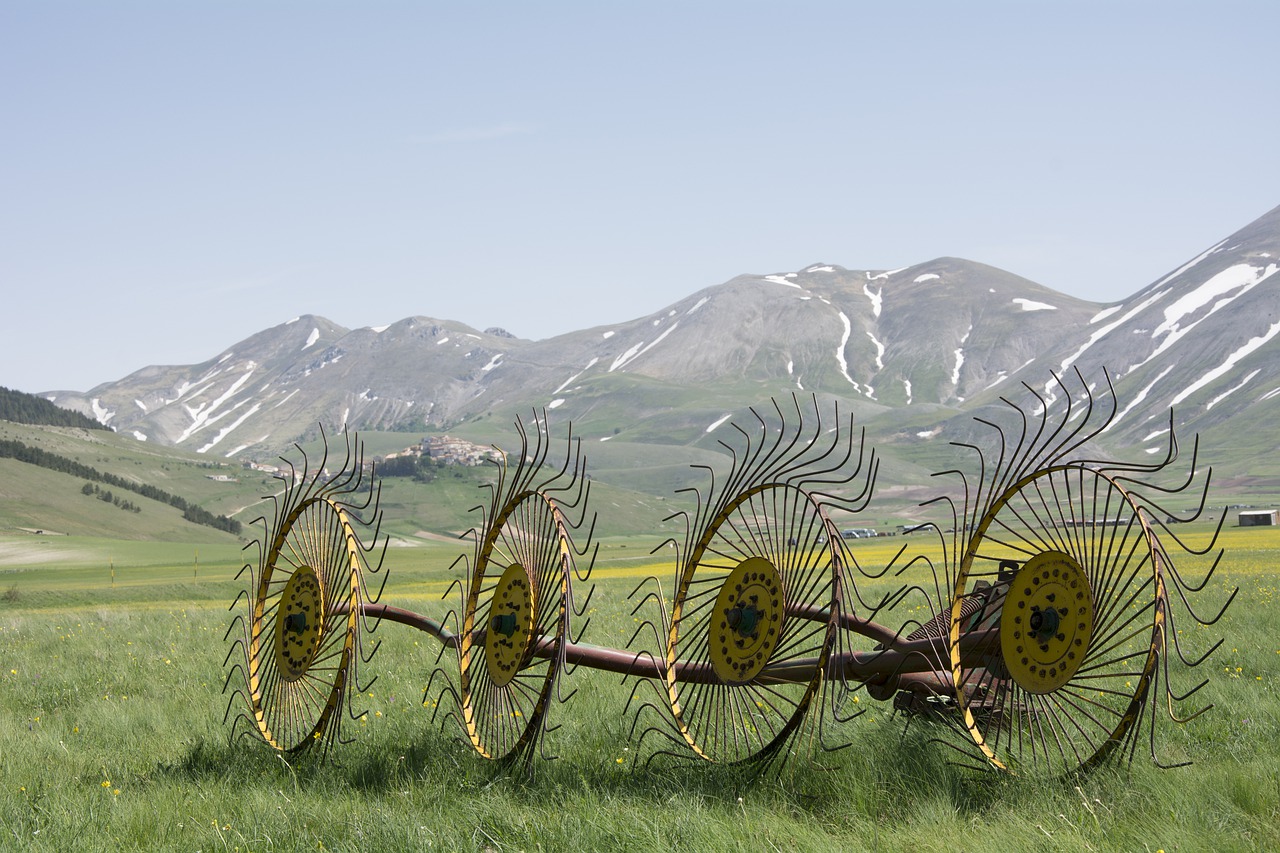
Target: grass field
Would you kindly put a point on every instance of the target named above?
(112, 737)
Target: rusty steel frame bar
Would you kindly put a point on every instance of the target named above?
(900, 662)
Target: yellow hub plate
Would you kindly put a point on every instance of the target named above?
(510, 628)
(1047, 622)
(299, 623)
(747, 621)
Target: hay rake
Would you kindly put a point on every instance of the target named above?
(1038, 640)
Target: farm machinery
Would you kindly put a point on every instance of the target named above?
(1036, 632)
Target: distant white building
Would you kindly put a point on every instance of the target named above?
(1259, 517)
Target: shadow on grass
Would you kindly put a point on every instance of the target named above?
(885, 774)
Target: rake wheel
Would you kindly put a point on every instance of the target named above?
(1081, 627)
(517, 600)
(1066, 656)
(514, 625)
(764, 563)
(762, 582)
(302, 638)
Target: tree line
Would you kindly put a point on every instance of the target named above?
(23, 408)
(44, 459)
(105, 496)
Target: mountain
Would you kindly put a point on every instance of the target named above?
(907, 351)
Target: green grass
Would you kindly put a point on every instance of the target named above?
(112, 737)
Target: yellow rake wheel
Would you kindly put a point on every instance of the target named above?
(1066, 677)
(758, 592)
(514, 626)
(302, 631)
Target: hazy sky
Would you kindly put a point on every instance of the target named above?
(177, 176)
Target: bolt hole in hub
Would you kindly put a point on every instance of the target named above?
(299, 623)
(1047, 622)
(746, 624)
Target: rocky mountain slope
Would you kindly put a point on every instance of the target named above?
(908, 349)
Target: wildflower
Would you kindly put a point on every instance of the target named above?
(106, 783)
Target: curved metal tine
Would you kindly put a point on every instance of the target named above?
(796, 450)
(1151, 730)
(810, 473)
(231, 700)
(1081, 435)
(968, 510)
(1195, 615)
(237, 642)
(1078, 436)
(244, 593)
(1186, 548)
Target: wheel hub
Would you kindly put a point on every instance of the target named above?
(510, 628)
(746, 624)
(299, 623)
(1047, 622)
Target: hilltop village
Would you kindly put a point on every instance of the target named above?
(438, 449)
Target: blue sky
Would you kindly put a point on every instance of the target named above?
(177, 176)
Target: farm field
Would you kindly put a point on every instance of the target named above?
(112, 735)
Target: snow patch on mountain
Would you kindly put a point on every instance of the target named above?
(844, 339)
(822, 268)
(1104, 314)
(101, 413)
(884, 275)
(955, 371)
(879, 351)
(906, 384)
(929, 276)
(703, 301)
(140, 436)
(1241, 277)
(312, 338)
(1188, 265)
(287, 398)
(876, 299)
(1110, 327)
(1243, 382)
(1000, 377)
(567, 382)
(718, 423)
(227, 430)
(1248, 347)
(1032, 305)
(1142, 395)
(201, 415)
(556, 403)
(640, 349)
(777, 279)
(496, 361)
